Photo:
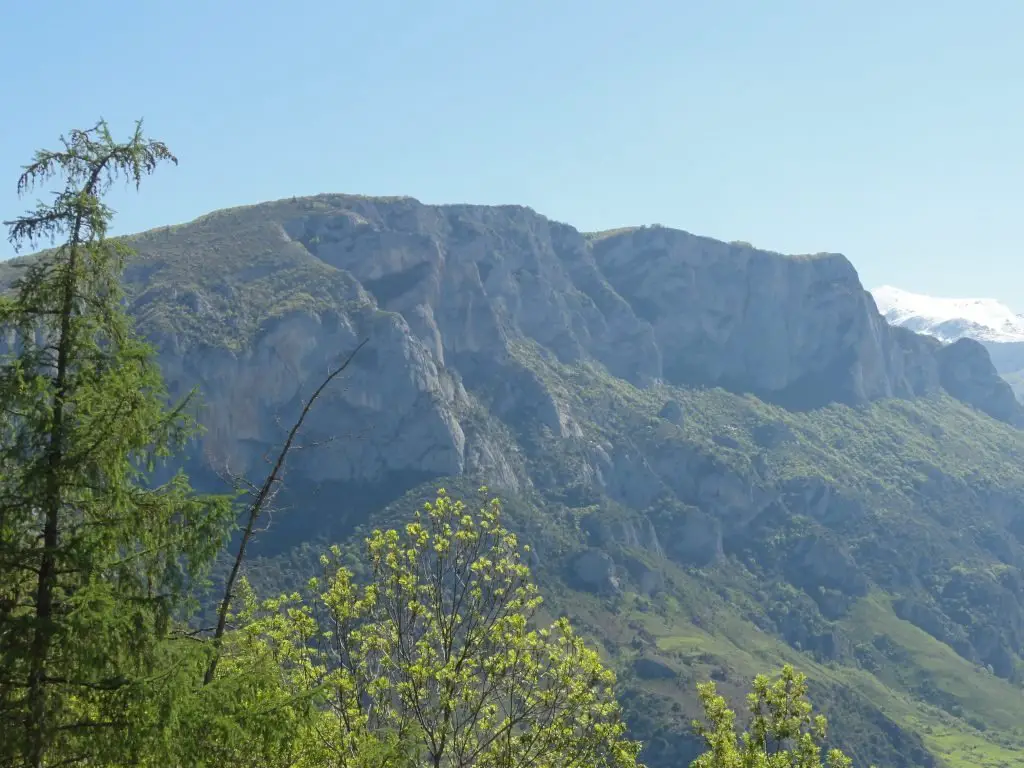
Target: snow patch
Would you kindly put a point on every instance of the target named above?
(950, 319)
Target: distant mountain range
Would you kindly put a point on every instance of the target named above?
(988, 321)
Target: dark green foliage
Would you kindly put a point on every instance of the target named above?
(94, 562)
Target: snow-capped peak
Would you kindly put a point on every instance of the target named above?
(949, 319)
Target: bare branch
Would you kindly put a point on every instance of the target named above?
(265, 494)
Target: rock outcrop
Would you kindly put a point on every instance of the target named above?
(462, 306)
(967, 373)
(594, 571)
(800, 331)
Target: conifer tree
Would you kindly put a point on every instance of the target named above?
(95, 560)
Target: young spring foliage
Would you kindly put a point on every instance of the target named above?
(94, 560)
(434, 662)
(783, 733)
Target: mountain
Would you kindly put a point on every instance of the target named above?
(724, 458)
(987, 321)
(948, 320)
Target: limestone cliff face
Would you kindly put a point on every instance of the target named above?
(470, 280)
(367, 430)
(648, 304)
(449, 296)
(969, 375)
(796, 330)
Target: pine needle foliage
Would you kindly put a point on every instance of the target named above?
(95, 560)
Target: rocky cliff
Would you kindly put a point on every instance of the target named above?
(253, 304)
(994, 325)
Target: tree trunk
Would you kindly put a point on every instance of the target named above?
(39, 654)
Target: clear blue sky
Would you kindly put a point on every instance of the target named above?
(889, 130)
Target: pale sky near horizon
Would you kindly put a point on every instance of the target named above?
(888, 131)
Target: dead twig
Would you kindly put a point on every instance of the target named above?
(265, 494)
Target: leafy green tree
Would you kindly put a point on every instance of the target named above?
(95, 559)
(434, 661)
(783, 733)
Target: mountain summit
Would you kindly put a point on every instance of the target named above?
(985, 320)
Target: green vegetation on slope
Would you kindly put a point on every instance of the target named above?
(890, 526)
(749, 535)
(690, 534)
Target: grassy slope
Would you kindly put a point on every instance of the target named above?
(728, 647)
(711, 622)
(1016, 382)
(880, 453)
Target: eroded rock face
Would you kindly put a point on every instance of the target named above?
(594, 571)
(469, 282)
(968, 374)
(797, 330)
(472, 279)
(251, 396)
(648, 303)
(464, 306)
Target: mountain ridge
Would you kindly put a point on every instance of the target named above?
(881, 359)
(950, 319)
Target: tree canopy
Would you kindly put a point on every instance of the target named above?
(435, 657)
(784, 732)
(95, 559)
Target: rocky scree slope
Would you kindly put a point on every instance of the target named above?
(725, 458)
